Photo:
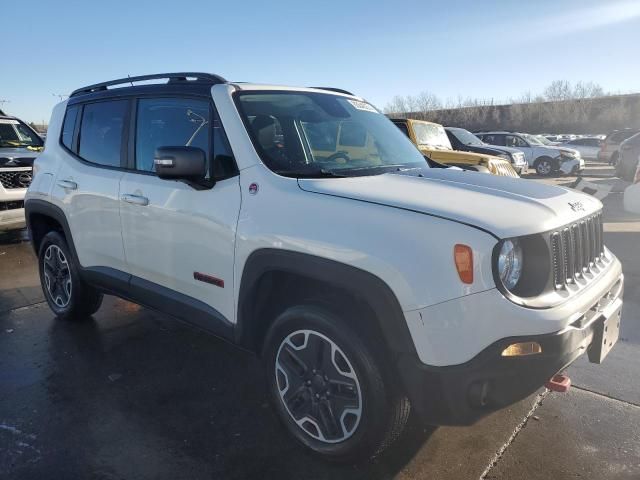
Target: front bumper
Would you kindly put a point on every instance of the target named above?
(11, 219)
(462, 394)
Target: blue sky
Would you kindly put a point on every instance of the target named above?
(489, 49)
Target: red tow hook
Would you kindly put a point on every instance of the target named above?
(559, 383)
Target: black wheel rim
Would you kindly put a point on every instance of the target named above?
(57, 276)
(318, 386)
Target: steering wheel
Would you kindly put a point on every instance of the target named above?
(337, 155)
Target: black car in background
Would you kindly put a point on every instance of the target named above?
(629, 154)
(465, 141)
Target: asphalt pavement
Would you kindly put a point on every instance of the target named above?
(133, 394)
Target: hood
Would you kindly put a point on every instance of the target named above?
(487, 149)
(558, 149)
(454, 155)
(504, 206)
(17, 157)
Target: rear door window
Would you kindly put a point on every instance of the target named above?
(101, 132)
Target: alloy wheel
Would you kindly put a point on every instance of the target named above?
(57, 276)
(318, 386)
(544, 167)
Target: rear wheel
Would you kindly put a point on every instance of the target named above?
(327, 388)
(66, 293)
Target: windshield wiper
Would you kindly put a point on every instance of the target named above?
(321, 173)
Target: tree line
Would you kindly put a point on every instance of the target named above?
(562, 107)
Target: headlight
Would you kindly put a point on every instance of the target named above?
(510, 263)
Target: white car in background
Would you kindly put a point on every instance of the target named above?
(632, 193)
(19, 147)
(545, 159)
(589, 147)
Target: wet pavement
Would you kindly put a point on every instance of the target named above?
(133, 394)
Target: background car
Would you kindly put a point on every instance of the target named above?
(631, 199)
(588, 147)
(432, 141)
(609, 152)
(465, 141)
(19, 147)
(545, 159)
(628, 158)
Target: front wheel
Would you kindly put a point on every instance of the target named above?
(327, 387)
(544, 167)
(68, 296)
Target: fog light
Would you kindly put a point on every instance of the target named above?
(522, 349)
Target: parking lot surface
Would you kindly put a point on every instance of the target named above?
(135, 394)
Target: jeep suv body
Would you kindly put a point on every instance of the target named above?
(19, 146)
(432, 140)
(369, 283)
(545, 159)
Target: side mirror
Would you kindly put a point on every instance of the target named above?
(180, 163)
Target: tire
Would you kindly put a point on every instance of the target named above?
(544, 166)
(613, 161)
(68, 296)
(349, 386)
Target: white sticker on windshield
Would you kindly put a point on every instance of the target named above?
(362, 106)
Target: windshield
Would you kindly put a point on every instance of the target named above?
(532, 139)
(14, 133)
(466, 137)
(308, 133)
(431, 135)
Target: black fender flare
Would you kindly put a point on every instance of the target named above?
(370, 288)
(47, 209)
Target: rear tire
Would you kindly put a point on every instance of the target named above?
(327, 387)
(68, 296)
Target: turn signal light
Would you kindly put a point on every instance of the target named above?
(521, 349)
(463, 258)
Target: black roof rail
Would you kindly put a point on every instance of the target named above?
(208, 78)
(333, 89)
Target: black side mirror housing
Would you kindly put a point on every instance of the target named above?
(181, 163)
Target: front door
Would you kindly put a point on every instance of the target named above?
(176, 236)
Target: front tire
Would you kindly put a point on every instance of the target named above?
(68, 296)
(544, 166)
(327, 387)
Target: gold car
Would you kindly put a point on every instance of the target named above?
(431, 139)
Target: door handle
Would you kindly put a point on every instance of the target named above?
(68, 185)
(135, 199)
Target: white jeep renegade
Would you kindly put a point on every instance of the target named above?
(302, 225)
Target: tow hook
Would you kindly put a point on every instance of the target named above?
(559, 383)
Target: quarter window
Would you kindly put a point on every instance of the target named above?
(101, 132)
(513, 141)
(69, 126)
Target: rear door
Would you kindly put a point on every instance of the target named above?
(179, 241)
(87, 184)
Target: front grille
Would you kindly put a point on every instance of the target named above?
(11, 205)
(16, 178)
(577, 249)
(505, 170)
